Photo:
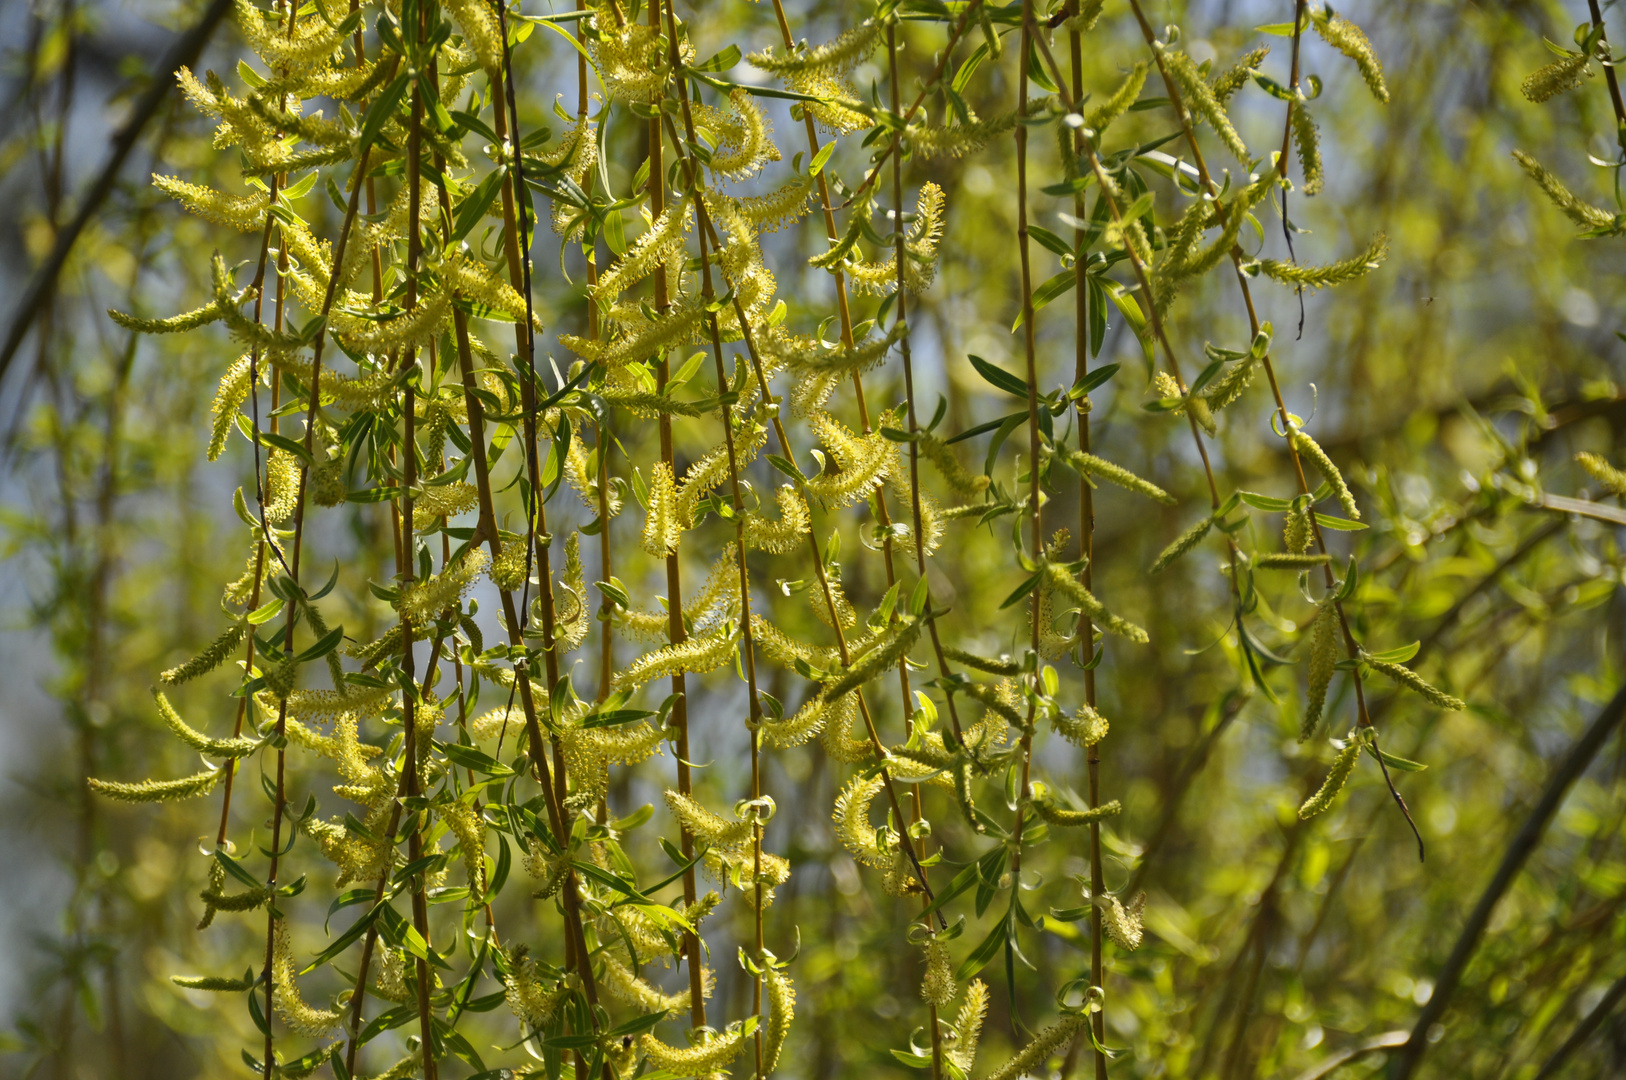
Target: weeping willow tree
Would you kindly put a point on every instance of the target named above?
(1151, 724)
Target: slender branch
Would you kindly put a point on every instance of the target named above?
(1518, 852)
(41, 287)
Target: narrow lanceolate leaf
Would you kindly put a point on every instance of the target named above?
(1100, 468)
(1414, 682)
(146, 791)
(1074, 590)
(1323, 659)
(212, 983)
(1322, 800)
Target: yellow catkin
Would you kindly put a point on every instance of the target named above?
(203, 744)
(480, 31)
(1074, 590)
(1062, 817)
(464, 824)
(303, 1018)
(702, 653)
(1309, 448)
(1101, 469)
(957, 140)
(422, 603)
(938, 986)
(281, 486)
(1128, 92)
(620, 981)
(233, 390)
(532, 1001)
(782, 1003)
(1582, 213)
(1414, 682)
(1238, 75)
(888, 651)
(835, 57)
(1337, 273)
(852, 823)
(785, 534)
(1123, 924)
(1612, 479)
(1351, 40)
(1565, 73)
(1182, 544)
(709, 1056)
(1342, 766)
(744, 140)
(147, 791)
(1201, 103)
(1323, 658)
(245, 213)
(1289, 560)
(705, 825)
(213, 655)
(1033, 1057)
(1296, 532)
(1307, 141)
(968, 1025)
(1087, 728)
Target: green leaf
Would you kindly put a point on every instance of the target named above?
(1337, 524)
(1094, 379)
(823, 156)
(470, 758)
(1397, 656)
(1057, 285)
(1266, 503)
(723, 61)
(999, 377)
(1403, 764)
(983, 953)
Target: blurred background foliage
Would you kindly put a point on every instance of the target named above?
(1453, 386)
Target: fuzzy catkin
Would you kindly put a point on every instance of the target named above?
(1323, 659)
(1414, 682)
(1100, 468)
(1074, 590)
(1352, 41)
(1565, 73)
(1307, 141)
(1612, 479)
(1031, 1059)
(1342, 766)
(1127, 93)
(1337, 273)
(1309, 448)
(1182, 544)
(782, 1010)
(1200, 102)
(1582, 213)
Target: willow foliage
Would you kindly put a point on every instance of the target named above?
(846, 628)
